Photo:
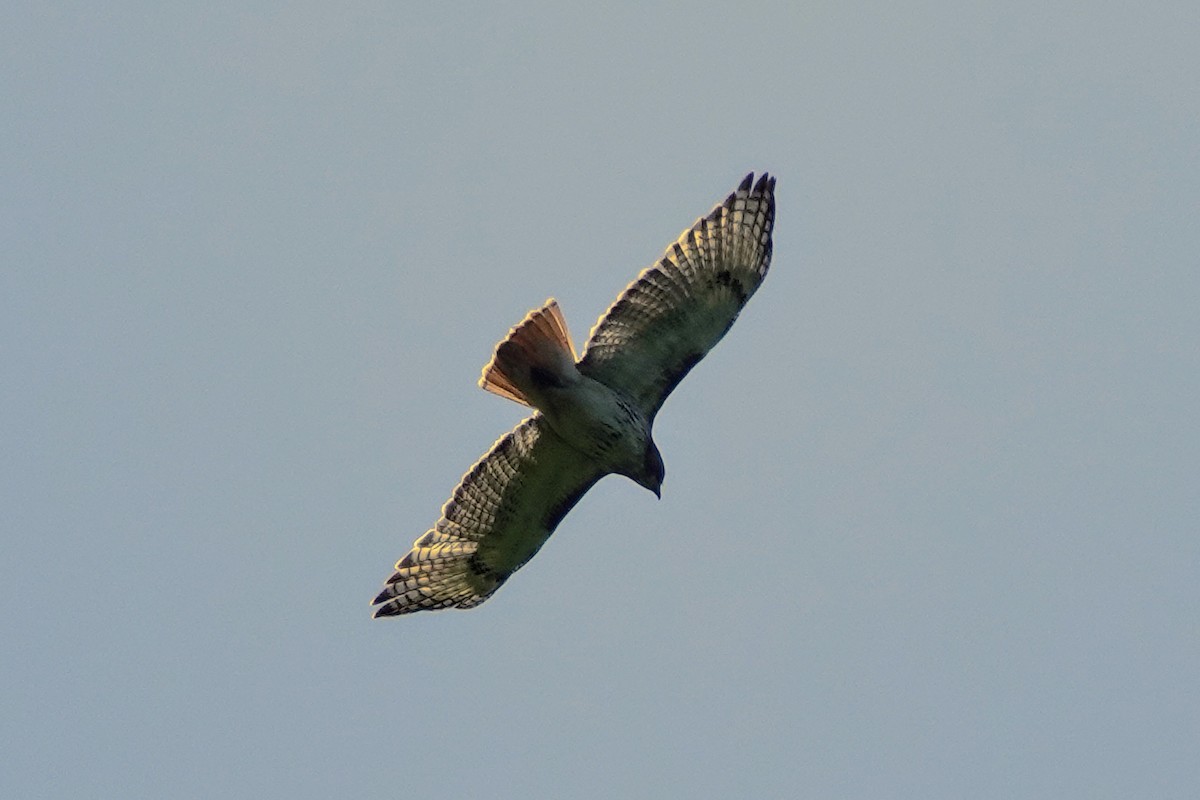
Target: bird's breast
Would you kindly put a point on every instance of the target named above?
(597, 421)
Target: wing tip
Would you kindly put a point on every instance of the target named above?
(386, 602)
(764, 187)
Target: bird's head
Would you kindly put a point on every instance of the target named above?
(652, 472)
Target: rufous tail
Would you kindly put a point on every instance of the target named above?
(535, 355)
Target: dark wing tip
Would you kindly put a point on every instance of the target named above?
(382, 597)
(391, 605)
(764, 187)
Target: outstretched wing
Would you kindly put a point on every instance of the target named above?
(501, 513)
(678, 309)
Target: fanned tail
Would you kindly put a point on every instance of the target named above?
(536, 354)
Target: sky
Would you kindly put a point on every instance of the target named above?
(929, 526)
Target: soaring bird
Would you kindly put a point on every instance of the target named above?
(592, 415)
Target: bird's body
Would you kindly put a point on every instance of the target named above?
(602, 424)
(535, 365)
(594, 415)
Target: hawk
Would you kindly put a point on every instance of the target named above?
(592, 415)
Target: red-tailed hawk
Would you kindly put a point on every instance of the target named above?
(593, 415)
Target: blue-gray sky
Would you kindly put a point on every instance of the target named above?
(929, 527)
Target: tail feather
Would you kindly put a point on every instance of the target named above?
(536, 352)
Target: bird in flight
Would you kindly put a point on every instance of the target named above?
(593, 415)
